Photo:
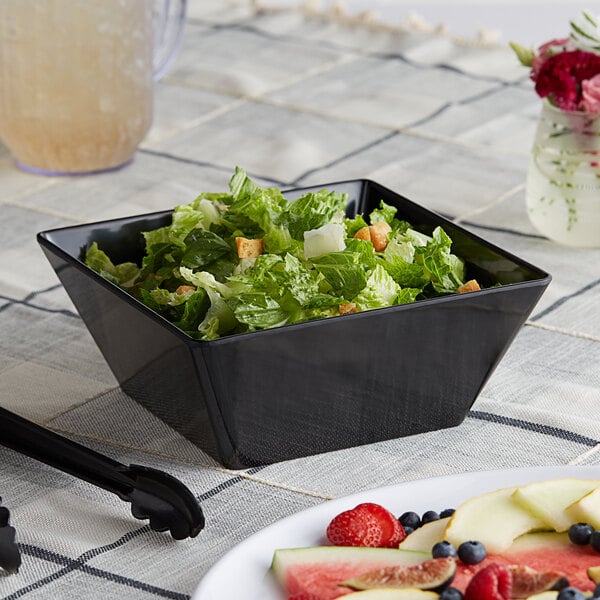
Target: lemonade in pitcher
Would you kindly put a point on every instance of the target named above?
(76, 80)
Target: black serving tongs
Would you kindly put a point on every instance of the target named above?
(153, 494)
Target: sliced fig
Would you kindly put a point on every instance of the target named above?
(527, 581)
(433, 574)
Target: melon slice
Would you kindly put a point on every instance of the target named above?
(548, 500)
(319, 570)
(423, 538)
(393, 594)
(586, 509)
(494, 519)
(542, 551)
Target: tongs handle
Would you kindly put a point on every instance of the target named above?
(153, 494)
(10, 557)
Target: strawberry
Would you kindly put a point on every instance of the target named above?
(492, 583)
(367, 524)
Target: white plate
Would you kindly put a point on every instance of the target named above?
(244, 571)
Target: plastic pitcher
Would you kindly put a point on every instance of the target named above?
(76, 79)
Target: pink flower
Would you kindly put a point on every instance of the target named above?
(590, 94)
(545, 51)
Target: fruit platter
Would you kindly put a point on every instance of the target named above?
(522, 533)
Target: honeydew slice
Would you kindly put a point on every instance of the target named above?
(548, 500)
(423, 538)
(494, 519)
(586, 509)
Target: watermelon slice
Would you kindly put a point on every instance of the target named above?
(317, 571)
(545, 551)
(393, 594)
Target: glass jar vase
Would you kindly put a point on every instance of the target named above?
(563, 180)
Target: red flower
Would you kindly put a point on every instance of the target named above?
(545, 51)
(561, 75)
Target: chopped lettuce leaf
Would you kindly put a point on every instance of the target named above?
(313, 210)
(353, 225)
(381, 290)
(123, 274)
(343, 271)
(385, 213)
(202, 248)
(446, 270)
(258, 310)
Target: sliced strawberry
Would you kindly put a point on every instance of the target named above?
(392, 532)
(492, 583)
(367, 524)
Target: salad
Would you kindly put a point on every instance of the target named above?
(249, 259)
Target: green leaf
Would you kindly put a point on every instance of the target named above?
(407, 295)
(124, 274)
(380, 291)
(406, 274)
(241, 185)
(195, 309)
(445, 270)
(385, 212)
(313, 210)
(258, 310)
(343, 271)
(353, 225)
(202, 248)
(525, 55)
(578, 30)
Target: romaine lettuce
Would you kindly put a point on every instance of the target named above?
(309, 265)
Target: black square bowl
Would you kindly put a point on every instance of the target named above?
(278, 394)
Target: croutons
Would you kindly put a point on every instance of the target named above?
(249, 248)
(347, 308)
(376, 234)
(182, 289)
(469, 286)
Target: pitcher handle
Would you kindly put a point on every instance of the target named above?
(169, 22)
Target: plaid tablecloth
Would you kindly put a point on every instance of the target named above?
(295, 99)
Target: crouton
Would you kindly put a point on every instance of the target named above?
(469, 286)
(364, 233)
(182, 289)
(379, 237)
(249, 248)
(347, 308)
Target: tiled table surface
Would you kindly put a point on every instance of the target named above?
(294, 100)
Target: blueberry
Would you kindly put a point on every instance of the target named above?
(570, 593)
(429, 516)
(447, 512)
(597, 591)
(410, 519)
(580, 533)
(451, 593)
(444, 549)
(471, 552)
(595, 541)
(407, 530)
